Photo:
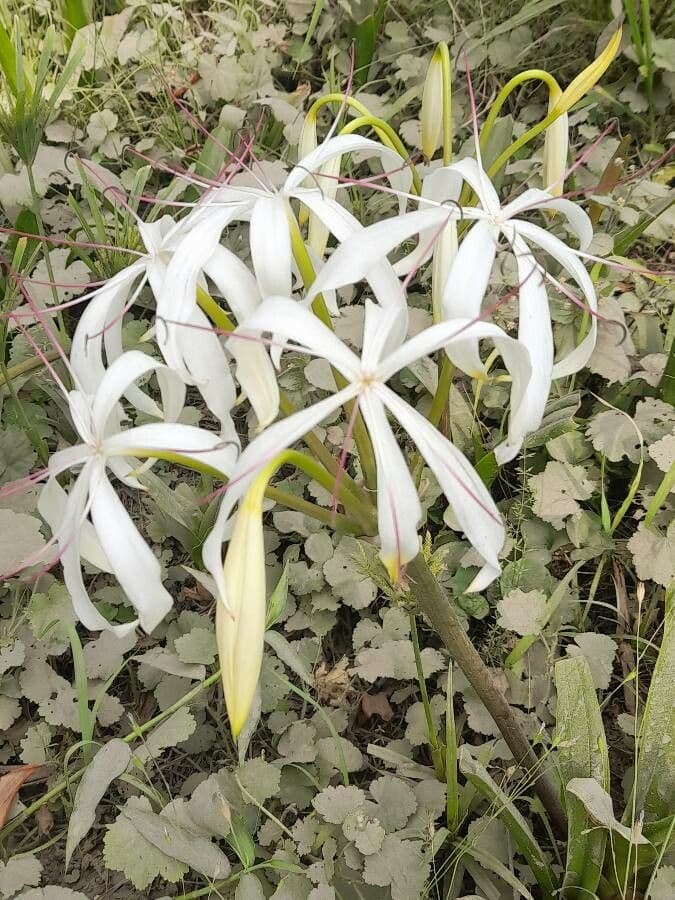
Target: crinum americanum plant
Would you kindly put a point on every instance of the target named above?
(225, 323)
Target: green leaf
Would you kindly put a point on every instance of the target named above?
(655, 766)
(478, 776)
(582, 753)
(109, 763)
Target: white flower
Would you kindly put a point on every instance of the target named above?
(385, 352)
(469, 274)
(111, 541)
(200, 253)
(199, 350)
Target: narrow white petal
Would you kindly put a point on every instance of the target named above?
(124, 371)
(185, 440)
(271, 247)
(381, 277)
(400, 175)
(134, 564)
(234, 282)
(53, 507)
(262, 450)
(470, 500)
(355, 257)
(567, 258)
(398, 507)
(534, 199)
(99, 327)
(327, 180)
(69, 548)
(384, 330)
(288, 319)
(465, 287)
(534, 333)
(255, 373)
(471, 172)
(442, 186)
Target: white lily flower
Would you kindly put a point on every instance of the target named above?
(268, 211)
(111, 541)
(470, 270)
(202, 358)
(385, 352)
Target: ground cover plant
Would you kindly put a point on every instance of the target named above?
(337, 450)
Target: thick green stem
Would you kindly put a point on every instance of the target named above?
(433, 602)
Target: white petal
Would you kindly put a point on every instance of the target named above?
(384, 330)
(534, 199)
(234, 282)
(205, 362)
(271, 246)
(53, 507)
(470, 500)
(578, 358)
(400, 176)
(255, 373)
(99, 326)
(440, 186)
(465, 288)
(381, 277)
(291, 320)
(327, 180)
(398, 507)
(124, 371)
(185, 440)
(69, 547)
(469, 170)
(534, 333)
(354, 259)
(134, 564)
(262, 450)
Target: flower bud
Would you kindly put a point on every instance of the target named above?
(431, 116)
(555, 148)
(240, 622)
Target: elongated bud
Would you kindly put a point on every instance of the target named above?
(431, 116)
(445, 251)
(555, 148)
(307, 143)
(240, 625)
(585, 80)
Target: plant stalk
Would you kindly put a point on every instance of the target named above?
(434, 603)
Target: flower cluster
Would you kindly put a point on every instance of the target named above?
(287, 299)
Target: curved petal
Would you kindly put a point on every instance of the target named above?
(534, 199)
(53, 507)
(384, 330)
(567, 258)
(194, 443)
(327, 180)
(234, 282)
(69, 548)
(99, 327)
(465, 288)
(262, 450)
(134, 564)
(270, 241)
(470, 499)
(289, 319)
(470, 171)
(399, 512)
(255, 373)
(204, 361)
(381, 277)
(440, 186)
(399, 174)
(534, 333)
(355, 257)
(124, 371)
